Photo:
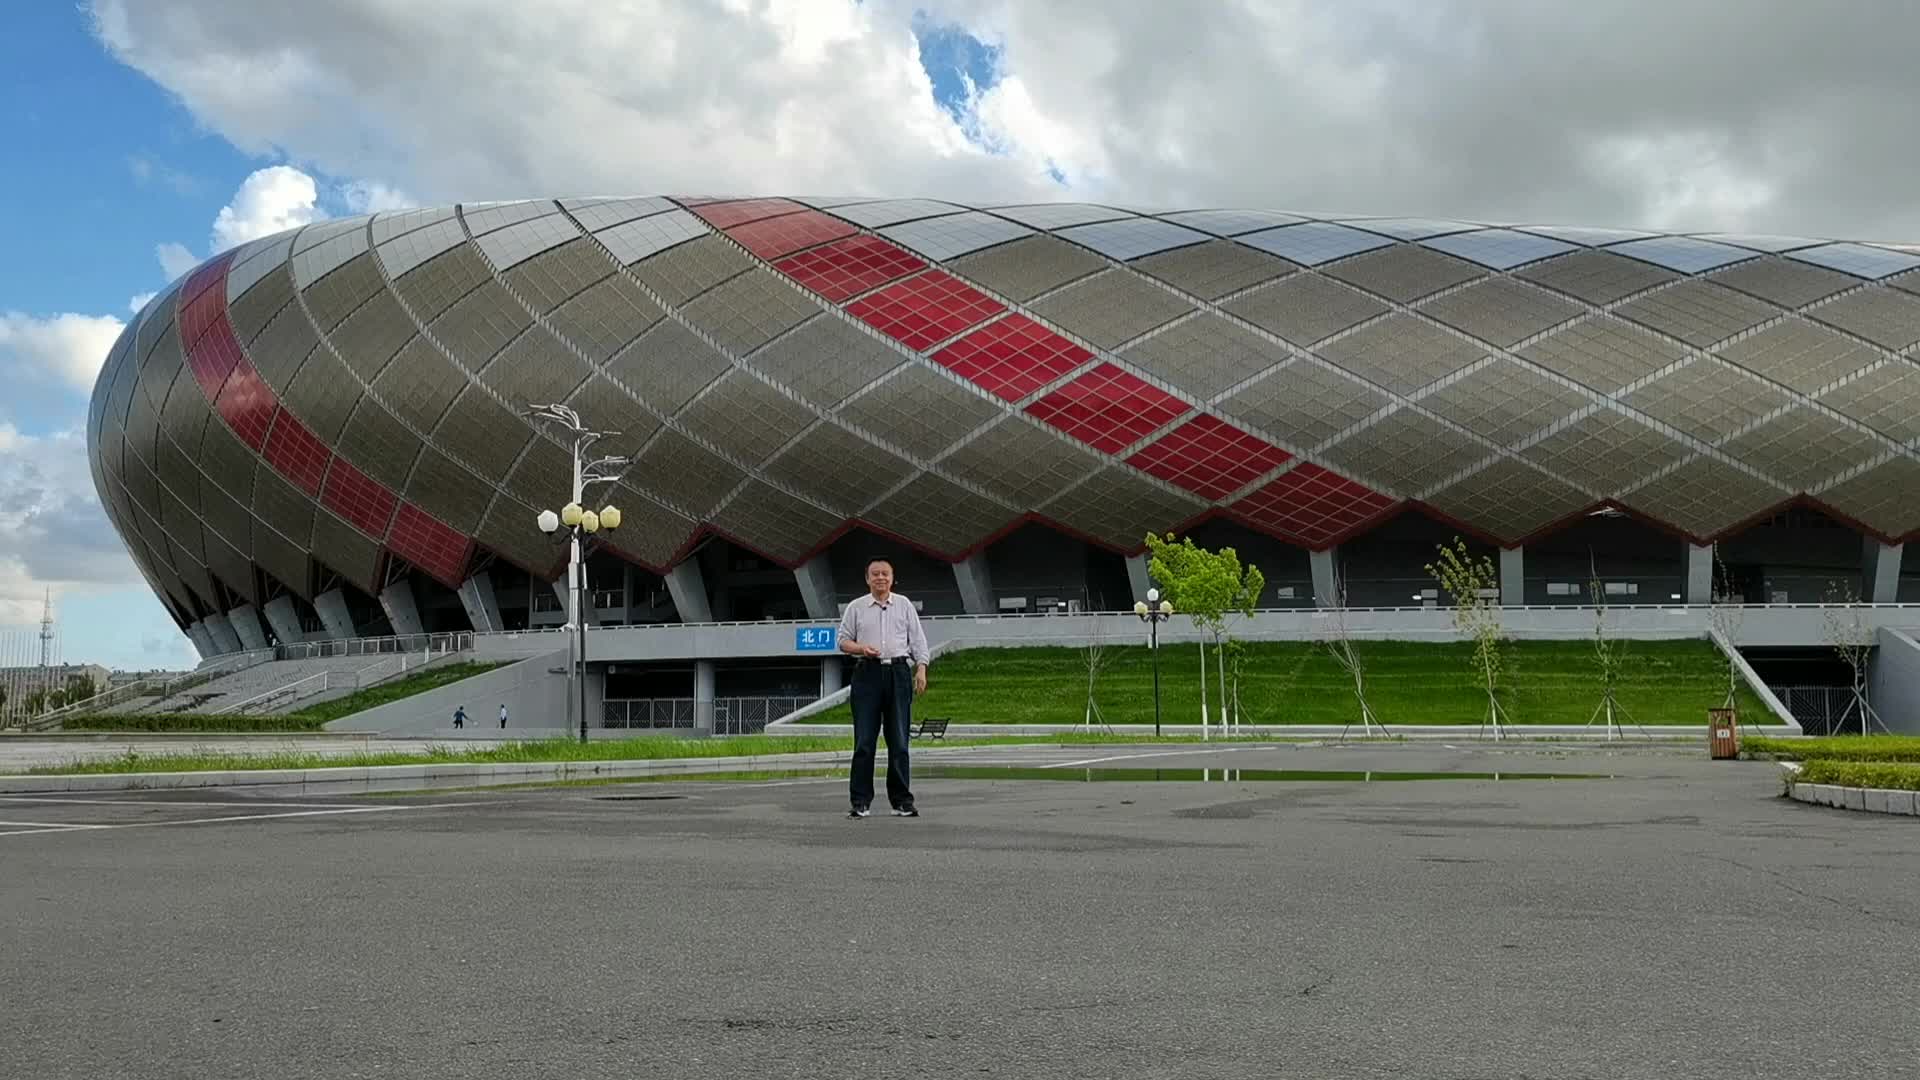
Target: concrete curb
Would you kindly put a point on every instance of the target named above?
(373, 777)
(1867, 800)
(1516, 732)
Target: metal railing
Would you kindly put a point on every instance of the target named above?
(731, 716)
(322, 681)
(158, 689)
(453, 641)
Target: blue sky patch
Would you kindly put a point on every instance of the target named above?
(953, 59)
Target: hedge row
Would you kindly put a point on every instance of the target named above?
(160, 722)
(1861, 774)
(1880, 748)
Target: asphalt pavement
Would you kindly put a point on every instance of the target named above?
(1677, 919)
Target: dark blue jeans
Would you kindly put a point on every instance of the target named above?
(882, 700)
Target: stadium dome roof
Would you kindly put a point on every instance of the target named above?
(785, 368)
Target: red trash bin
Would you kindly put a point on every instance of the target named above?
(1723, 734)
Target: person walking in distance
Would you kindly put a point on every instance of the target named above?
(460, 716)
(503, 716)
(882, 632)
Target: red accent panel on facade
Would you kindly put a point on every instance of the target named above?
(1108, 409)
(1312, 505)
(247, 404)
(1013, 357)
(727, 214)
(773, 237)
(846, 268)
(199, 302)
(1210, 457)
(214, 356)
(430, 544)
(925, 310)
(296, 453)
(203, 276)
(362, 501)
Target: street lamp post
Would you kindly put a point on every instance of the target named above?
(1153, 611)
(577, 521)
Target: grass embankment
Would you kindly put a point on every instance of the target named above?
(655, 748)
(310, 718)
(1547, 682)
(1863, 761)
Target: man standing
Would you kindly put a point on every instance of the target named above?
(881, 631)
(503, 716)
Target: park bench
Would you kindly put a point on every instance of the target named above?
(933, 727)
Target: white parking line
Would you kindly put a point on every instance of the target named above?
(40, 825)
(48, 827)
(1197, 749)
(65, 801)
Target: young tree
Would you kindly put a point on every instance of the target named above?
(1338, 641)
(1210, 587)
(1724, 616)
(1609, 656)
(1096, 657)
(1474, 585)
(1853, 640)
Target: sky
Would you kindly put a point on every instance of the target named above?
(141, 138)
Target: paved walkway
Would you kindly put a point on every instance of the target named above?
(1681, 920)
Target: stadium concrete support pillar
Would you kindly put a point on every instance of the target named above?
(1326, 591)
(1513, 577)
(331, 606)
(246, 623)
(1699, 573)
(1880, 571)
(402, 613)
(202, 641)
(703, 697)
(284, 620)
(815, 578)
(975, 584)
(1138, 577)
(224, 639)
(688, 587)
(831, 677)
(483, 608)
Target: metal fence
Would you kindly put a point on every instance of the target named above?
(731, 716)
(1819, 708)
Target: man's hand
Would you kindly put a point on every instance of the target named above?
(919, 681)
(872, 650)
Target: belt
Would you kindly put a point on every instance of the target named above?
(883, 660)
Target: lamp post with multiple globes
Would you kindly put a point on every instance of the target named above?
(578, 522)
(1153, 611)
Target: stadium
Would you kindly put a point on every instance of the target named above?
(324, 433)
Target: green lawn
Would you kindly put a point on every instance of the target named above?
(552, 749)
(1548, 682)
(311, 718)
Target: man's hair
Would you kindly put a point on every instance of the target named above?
(875, 559)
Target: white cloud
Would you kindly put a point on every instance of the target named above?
(68, 348)
(270, 200)
(140, 300)
(52, 530)
(373, 197)
(175, 259)
(1446, 109)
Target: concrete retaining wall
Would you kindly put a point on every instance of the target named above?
(1893, 681)
(536, 700)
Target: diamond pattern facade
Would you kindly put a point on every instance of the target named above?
(322, 402)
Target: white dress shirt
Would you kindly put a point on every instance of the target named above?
(894, 626)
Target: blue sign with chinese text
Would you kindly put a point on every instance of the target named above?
(815, 638)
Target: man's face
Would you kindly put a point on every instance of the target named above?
(880, 577)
